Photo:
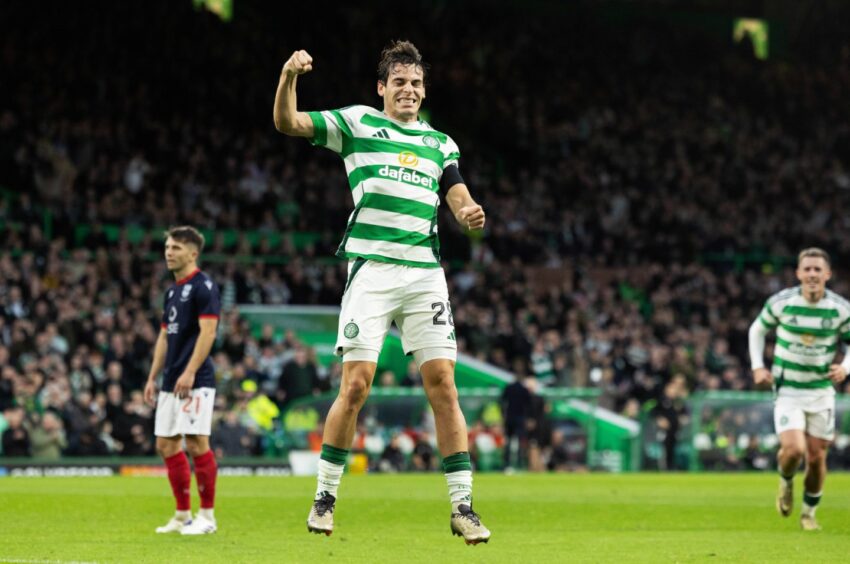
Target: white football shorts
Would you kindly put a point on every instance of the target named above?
(188, 416)
(813, 414)
(378, 293)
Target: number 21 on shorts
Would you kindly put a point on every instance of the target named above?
(187, 404)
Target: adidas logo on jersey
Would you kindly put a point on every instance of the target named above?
(404, 175)
(381, 134)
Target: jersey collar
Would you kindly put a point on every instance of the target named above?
(189, 277)
(405, 124)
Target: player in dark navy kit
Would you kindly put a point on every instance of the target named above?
(184, 406)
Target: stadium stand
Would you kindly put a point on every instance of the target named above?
(633, 199)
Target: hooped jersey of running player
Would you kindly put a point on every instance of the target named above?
(807, 337)
(193, 298)
(394, 172)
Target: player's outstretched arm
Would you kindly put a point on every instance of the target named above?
(159, 351)
(287, 118)
(466, 211)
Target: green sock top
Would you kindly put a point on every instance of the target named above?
(333, 454)
(457, 462)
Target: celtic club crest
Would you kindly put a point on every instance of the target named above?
(351, 330)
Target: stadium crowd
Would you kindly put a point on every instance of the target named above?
(622, 182)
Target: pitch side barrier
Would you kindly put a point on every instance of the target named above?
(97, 467)
(735, 431)
(598, 438)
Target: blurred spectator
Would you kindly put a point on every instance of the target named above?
(262, 411)
(669, 413)
(90, 444)
(231, 438)
(539, 427)
(412, 377)
(392, 458)
(387, 379)
(568, 452)
(516, 410)
(299, 378)
(48, 437)
(16, 439)
(424, 458)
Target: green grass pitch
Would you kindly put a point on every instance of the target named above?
(405, 518)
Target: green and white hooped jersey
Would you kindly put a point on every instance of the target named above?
(394, 172)
(807, 337)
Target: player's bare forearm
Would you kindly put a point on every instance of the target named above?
(287, 118)
(159, 351)
(203, 345)
(466, 211)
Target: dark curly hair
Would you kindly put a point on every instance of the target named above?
(399, 52)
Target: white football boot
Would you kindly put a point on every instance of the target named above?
(175, 525)
(199, 526)
(321, 518)
(466, 523)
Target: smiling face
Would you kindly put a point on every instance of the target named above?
(403, 92)
(813, 274)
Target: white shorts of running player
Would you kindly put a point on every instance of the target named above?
(814, 415)
(417, 299)
(191, 415)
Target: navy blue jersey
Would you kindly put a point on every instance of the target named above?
(190, 299)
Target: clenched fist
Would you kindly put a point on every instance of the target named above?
(762, 376)
(471, 217)
(299, 63)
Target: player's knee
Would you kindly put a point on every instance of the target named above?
(195, 448)
(816, 456)
(354, 392)
(442, 391)
(166, 449)
(793, 452)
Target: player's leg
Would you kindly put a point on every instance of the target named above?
(816, 449)
(180, 478)
(358, 372)
(427, 331)
(206, 472)
(195, 422)
(368, 305)
(790, 423)
(169, 445)
(792, 451)
(438, 381)
(820, 431)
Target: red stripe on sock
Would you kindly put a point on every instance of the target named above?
(180, 476)
(206, 471)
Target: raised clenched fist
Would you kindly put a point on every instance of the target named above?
(299, 63)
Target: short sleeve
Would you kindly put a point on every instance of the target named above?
(207, 300)
(452, 154)
(767, 318)
(331, 129)
(844, 330)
